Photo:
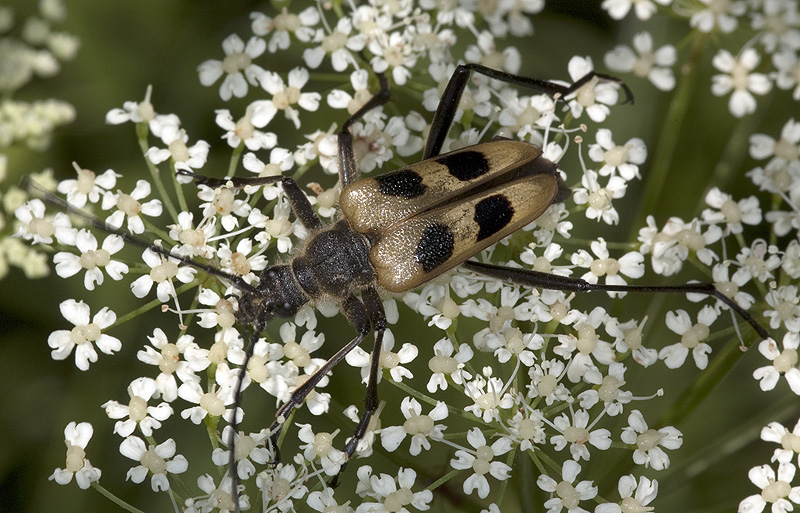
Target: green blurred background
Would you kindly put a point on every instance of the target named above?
(127, 45)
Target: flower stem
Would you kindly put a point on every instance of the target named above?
(116, 500)
(656, 176)
(718, 368)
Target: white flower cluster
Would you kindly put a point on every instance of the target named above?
(528, 375)
(36, 51)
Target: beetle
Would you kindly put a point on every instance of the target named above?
(403, 228)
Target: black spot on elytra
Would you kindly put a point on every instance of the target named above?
(404, 183)
(465, 165)
(435, 247)
(492, 214)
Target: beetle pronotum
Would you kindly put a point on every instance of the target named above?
(403, 228)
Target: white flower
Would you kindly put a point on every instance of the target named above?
(692, 336)
(671, 246)
(87, 186)
(583, 347)
(158, 460)
(341, 99)
(789, 440)
(595, 96)
(137, 410)
(566, 494)
(623, 159)
(237, 65)
(649, 442)
(128, 206)
(339, 43)
(319, 447)
(783, 362)
(167, 357)
(777, 490)
(393, 50)
(489, 396)
(599, 199)
(324, 502)
(217, 497)
(284, 96)
(720, 14)
(142, 112)
(192, 241)
(421, 427)
(653, 65)
(634, 497)
(241, 262)
(644, 9)
(162, 271)
(444, 363)
(282, 484)
(91, 259)
(628, 337)
(630, 264)
(480, 460)
(389, 360)
(247, 447)
(35, 227)
(244, 132)
(783, 308)
(77, 436)
(284, 25)
(545, 383)
(738, 77)
(83, 334)
(608, 391)
(578, 434)
(785, 150)
(393, 495)
(222, 202)
(184, 157)
(211, 403)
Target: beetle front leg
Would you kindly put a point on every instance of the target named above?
(451, 97)
(357, 315)
(348, 167)
(301, 207)
(378, 317)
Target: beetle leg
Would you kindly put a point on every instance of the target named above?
(358, 316)
(297, 199)
(378, 318)
(531, 278)
(233, 465)
(348, 167)
(448, 105)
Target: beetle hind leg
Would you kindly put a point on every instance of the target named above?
(530, 278)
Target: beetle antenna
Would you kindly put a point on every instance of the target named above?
(65, 206)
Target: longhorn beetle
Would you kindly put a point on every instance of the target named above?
(403, 228)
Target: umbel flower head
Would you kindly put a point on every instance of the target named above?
(502, 383)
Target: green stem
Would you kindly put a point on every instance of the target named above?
(116, 500)
(669, 135)
(427, 399)
(234, 162)
(442, 480)
(154, 172)
(149, 306)
(729, 441)
(693, 397)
